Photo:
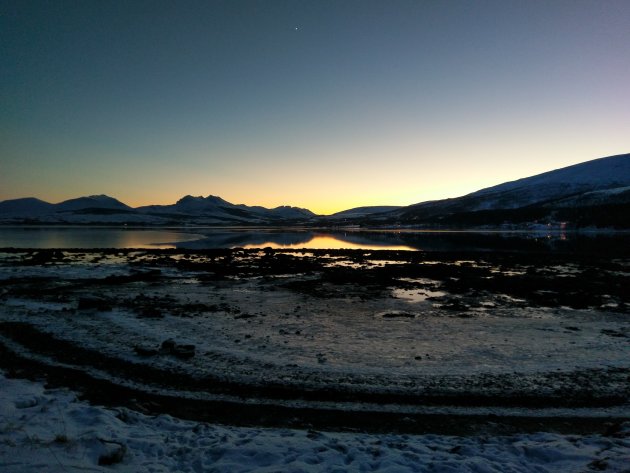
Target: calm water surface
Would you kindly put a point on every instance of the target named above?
(95, 237)
(204, 238)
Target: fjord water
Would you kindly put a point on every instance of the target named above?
(91, 237)
(198, 238)
(295, 238)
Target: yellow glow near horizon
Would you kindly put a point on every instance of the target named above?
(323, 189)
(438, 101)
(327, 242)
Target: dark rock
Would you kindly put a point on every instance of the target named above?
(142, 351)
(168, 345)
(94, 303)
(45, 256)
(183, 351)
(599, 465)
(114, 453)
(396, 314)
(313, 435)
(613, 333)
(613, 430)
(150, 313)
(135, 276)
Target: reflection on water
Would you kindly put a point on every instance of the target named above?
(94, 237)
(416, 295)
(205, 238)
(295, 239)
(330, 242)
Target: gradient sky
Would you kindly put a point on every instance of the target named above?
(320, 104)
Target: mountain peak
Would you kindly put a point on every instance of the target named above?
(189, 199)
(96, 201)
(215, 199)
(200, 200)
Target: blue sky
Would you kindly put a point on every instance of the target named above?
(320, 104)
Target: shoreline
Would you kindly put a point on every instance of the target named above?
(268, 307)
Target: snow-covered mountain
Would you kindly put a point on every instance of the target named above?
(363, 211)
(28, 206)
(209, 210)
(91, 202)
(599, 174)
(596, 192)
(213, 209)
(600, 182)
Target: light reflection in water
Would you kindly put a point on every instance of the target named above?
(328, 242)
(72, 237)
(616, 244)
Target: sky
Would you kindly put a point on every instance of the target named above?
(326, 105)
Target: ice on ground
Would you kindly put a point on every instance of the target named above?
(51, 431)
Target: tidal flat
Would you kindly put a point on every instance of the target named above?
(376, 340)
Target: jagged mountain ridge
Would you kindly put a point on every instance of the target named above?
(105, 209)
(216, 207)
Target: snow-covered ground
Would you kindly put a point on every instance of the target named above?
(333, 332)
(51, 431)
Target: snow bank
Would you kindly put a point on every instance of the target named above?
(51, 431)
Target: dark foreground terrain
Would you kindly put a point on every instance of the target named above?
(338, 339)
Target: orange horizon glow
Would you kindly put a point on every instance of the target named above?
(318, 192)
(327, 242)
(439, 99)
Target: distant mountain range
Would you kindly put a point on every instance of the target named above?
(209, 210)
(594, 193)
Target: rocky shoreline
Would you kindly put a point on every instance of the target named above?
(334, 339)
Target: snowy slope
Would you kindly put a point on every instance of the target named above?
(91, 202)
(598, 174)
(363, 211)
(560, 187)
(45, 431)
(28, 206)
(90, 209)
(615, 195)
(602, 173)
